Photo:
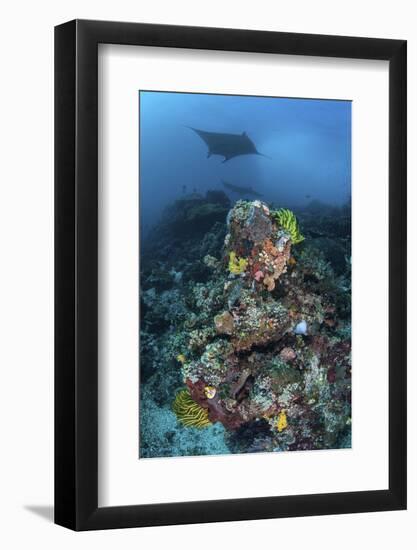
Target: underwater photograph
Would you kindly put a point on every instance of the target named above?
(245, 274)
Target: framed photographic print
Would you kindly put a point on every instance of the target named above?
(230, 275)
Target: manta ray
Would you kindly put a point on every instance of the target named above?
(227, 145)
(240, 190)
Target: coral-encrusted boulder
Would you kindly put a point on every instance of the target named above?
(249, 367)
(256, 247)
(256, 253)
(257, 226)
(224, 323)
(259, 322)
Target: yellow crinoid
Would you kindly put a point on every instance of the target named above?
(286, 220)
(188, 412)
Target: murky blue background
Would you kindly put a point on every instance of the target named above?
(308, 142)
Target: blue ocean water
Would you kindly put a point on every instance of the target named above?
(307, 141)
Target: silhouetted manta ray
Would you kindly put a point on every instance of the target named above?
(243, 191)
(227, 145)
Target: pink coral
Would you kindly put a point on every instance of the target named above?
(288, 354)
(259, 275)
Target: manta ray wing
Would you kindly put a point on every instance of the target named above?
(240, 190)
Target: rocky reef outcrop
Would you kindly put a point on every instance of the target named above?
(256, 340)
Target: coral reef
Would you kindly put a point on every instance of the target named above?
(252, 341)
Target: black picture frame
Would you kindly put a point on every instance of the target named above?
(76, 272)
